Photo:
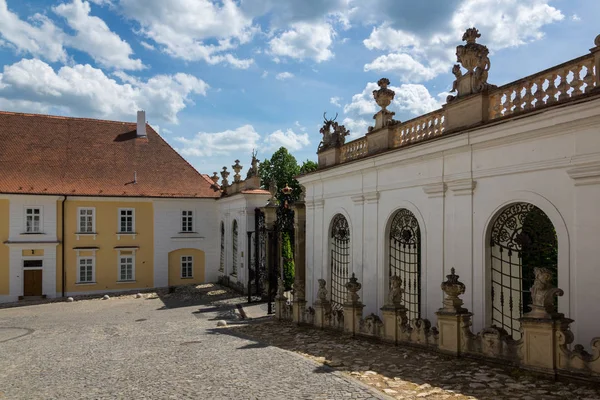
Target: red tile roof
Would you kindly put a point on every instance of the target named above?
(42, 154)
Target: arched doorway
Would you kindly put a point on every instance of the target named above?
(404, 258)
(522, 237)
(222, 261)
(234, 244)
(339, 249)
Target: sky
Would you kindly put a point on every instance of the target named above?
(218, 79)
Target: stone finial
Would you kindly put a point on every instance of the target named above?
(334, 134)
(597, 41)
(542, 294)
(383, 97)
(237, 168)
(224, 176)
(353, 287)
(474, 58)
(396, 292)
(215, 178)
(453, 288)
(322, 292)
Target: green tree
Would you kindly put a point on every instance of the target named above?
(281, 170)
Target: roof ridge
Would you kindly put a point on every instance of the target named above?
(62, 117)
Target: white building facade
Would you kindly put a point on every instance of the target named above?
(476, 199)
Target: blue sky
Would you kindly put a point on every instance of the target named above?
(219, 78)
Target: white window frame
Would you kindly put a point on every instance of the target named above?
(182, 261)
(190, 214)
(78, 280)
(119, 231)
(41, 219)
(119, 265)
(79, 210)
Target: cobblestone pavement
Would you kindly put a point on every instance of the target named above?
(410, 373)
(163, 346)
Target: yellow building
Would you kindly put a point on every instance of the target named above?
(90, 206)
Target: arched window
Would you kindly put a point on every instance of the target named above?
(522, 238)
(234, 234)
(340, 259)
(222, 264)
(405, 258)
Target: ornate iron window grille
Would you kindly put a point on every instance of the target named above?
(405, 258)
(522, 238)
(340, 260)
(234, 234)
(222, 263)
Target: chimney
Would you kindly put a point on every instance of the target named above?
(141, 124)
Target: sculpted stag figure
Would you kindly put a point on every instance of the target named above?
(334, 134)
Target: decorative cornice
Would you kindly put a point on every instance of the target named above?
(372, 197)
(435, 189)
(585, 175)
(358, 199)
(319, 203)
(462, 187)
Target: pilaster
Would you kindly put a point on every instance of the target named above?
(370, 273)
(434, 246)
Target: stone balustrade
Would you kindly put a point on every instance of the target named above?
(545, 345)
(355, 149)
(476, 103)
(557, 84)
(422, 128)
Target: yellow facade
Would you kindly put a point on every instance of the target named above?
(4, 267)
(175, 266)
(107, 245)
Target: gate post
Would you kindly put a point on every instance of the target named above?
(322, 306)
(452, 317)
(352, 307)
(299, 258)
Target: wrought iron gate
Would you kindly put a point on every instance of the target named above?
(264, 260)
(340, 260)
(405, 258)
(522, 238)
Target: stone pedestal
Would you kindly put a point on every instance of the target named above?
(540, 337)
(321, 309)
(450, 329)
(299, 306)
(352, 315)
(329, 157)
(379, 140)
(466, 111)
(392, 316)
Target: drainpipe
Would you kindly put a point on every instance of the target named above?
(64, 275)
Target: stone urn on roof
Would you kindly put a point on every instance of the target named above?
(383, 97)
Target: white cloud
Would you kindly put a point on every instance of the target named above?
(147, 45)
(387, 38)
(363, 103)
(575, 18)
(506, 23)
(357, 127)
(40, 38)
(411, 100)
(94, 37)
(243, 140)
(84, 90)
(420, 55)
(181, 28)
(284, 75)
(410, 70)
(304, 40)
(264, 74)
(416, 99)
(288, 139)
(335, 101)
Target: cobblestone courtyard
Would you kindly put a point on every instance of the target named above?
(167, 346)
(128, 348)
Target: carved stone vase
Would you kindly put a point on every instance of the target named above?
(453, 288)
(383, 96)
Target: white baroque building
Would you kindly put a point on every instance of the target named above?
(497, 182)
